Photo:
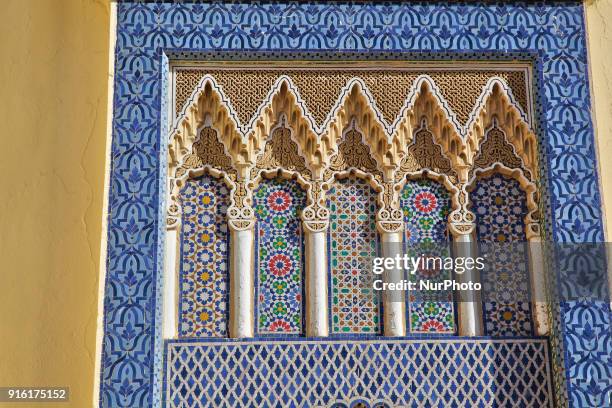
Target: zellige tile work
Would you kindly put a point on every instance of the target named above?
(279, 301)
(499, 205)
(354, 304)
(426, 205)
(204, 283)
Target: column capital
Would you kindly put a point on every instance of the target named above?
(461, 222)
(240, 218)
(532, 231)
(314, 226)
(389, 221)
(460, 229)
(315, 219)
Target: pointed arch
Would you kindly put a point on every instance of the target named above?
(356, 107)
(423, 153)
(284, 103)
(280, 156)
(280, 172)
(354, 157)
(426, 103)
(497, 107)
(495, 148)
(207, 106)
(207, 155)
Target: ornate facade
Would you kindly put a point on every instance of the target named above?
(356, 179)
(309, 166)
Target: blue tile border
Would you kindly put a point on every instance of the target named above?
(149, 34)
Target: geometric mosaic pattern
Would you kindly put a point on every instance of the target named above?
(353, 243)
(438, 373)
(426, 205)
(500, 208)
(277, 205)
(204, 258)
(550, 34)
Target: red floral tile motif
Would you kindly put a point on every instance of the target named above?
(279, 303)
(426, 205)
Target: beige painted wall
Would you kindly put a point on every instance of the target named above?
(599, 24)
(53, 88)
(53, 71)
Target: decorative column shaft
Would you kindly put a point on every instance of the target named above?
(242, 282)
(170, 303)
(394, 301)
(317, 307)
(463, 229)
(469, 302)
(315, 224)
(539, 308)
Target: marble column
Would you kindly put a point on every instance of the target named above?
(317, 308)
(539, 308)
(170, 302)
(394, 302)
(469, 302)
(242, 283)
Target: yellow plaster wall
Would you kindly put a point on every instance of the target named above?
(53, 93)
(599, 24)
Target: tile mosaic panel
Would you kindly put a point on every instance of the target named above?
(500, 208)
(204, 272)
(426, 205)
(440, 373)
(353, 243)
(277, 205)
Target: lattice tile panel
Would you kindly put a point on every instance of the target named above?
(410, 373)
